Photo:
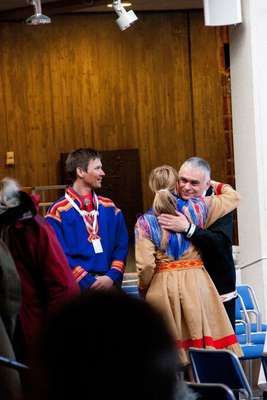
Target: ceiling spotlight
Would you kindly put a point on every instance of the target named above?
(37, 18)
(126, 18)
(110, 5)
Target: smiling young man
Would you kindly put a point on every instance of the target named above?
(90, 228)
(214, 243)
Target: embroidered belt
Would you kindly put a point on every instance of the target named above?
(182, 264)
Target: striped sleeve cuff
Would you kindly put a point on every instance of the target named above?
(79, 273)
(116, 270)
(118, 265)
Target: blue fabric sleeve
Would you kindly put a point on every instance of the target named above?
(120, 250)
(87, 280)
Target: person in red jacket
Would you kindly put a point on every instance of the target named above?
(46, 280)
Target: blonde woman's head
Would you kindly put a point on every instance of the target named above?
(163, 182)
(163, 177)
(9, 193)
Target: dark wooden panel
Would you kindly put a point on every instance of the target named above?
(82, 82)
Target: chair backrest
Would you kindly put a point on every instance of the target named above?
(218, 366)
(241, 312)
(241, 316)
(246, 294)
(211, 391)
(131, 290)
(250, 302)
(130, 284)
(248, 297)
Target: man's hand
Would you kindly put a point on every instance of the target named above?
(102, 283)
(174, 223)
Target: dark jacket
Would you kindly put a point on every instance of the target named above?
(215, 244)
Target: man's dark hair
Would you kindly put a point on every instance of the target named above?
(197, 162)
(79, 159)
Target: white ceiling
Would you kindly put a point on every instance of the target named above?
(136, 4)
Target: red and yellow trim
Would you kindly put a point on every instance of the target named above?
(71, 192)
(219, 188)
(106, 202)
(56, 209)
(79, 273)
(118, 265)
(182, 264)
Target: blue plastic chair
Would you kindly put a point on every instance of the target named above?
(239, 328)
(252, 351)
(242, 321)
(252, 343)
(211, 391)
(251, 305)
(130, 285)
(242, 318)
(131, 290)
(255, 337)
(219, 366)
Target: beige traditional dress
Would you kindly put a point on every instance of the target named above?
(176, 282)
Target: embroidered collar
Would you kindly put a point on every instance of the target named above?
(79, 199)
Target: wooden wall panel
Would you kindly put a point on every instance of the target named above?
(207, 95)
(82, 82)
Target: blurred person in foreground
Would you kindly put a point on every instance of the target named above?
(46, 281)
(123, 350)
(10, 301)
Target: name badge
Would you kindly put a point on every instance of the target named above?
(97, 246)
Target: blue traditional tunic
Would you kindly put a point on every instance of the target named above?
(76, 240)
(196, 211)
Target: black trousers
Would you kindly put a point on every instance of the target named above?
(230, 309)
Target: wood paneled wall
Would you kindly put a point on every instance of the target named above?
(82, 82)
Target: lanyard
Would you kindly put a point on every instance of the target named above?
(85, 214)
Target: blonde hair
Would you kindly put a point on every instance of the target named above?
(163, 182)
(9, 193)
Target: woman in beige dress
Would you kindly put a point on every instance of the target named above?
(171, 273)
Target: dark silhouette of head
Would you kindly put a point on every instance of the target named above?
(108, 344)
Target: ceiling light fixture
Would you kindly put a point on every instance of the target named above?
(126, 18)
(123, 4)
(37, 18)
